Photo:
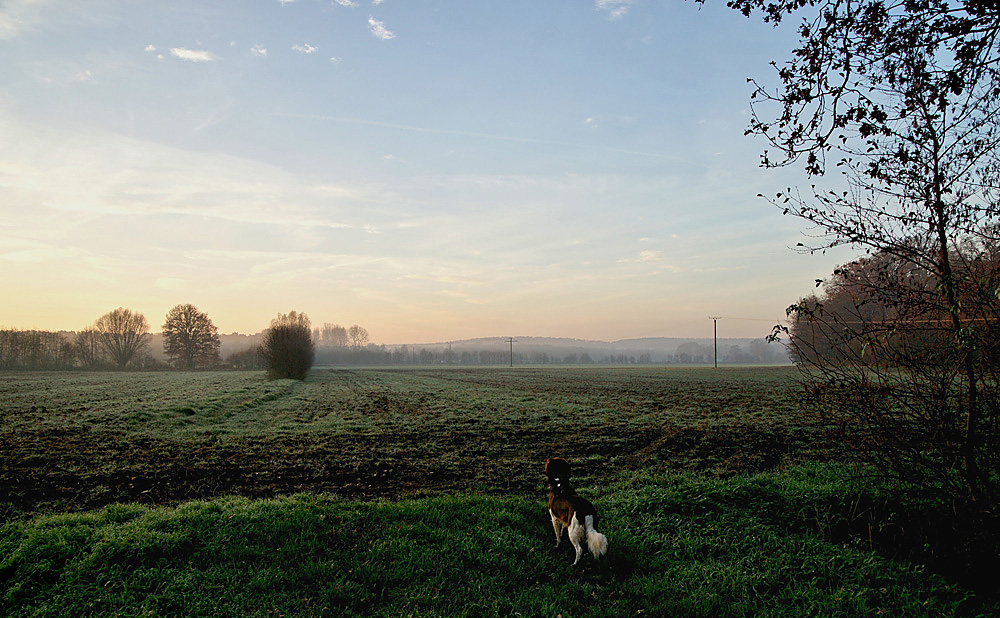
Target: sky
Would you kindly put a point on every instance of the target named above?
(432, 170)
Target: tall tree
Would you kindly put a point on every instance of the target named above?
(904, 98)
(122, 335)
(358, 336)
(87, 347)
(333, 335)
(34, 349)
(288, 350)
(190, 339)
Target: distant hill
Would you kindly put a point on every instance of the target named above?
(563, 349)
(497, 351)
(650, 349)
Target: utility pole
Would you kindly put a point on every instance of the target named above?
(511, 341)
(715, 338)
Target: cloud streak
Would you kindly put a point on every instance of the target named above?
(378, 29)
(91, 174)
(491, 136)
(193, 55)
(17, 16)
(615, 9)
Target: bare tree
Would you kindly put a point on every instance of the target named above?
(333, 335)
(88, 349)
(904, 98)
(288, 350)
(122, 335)
(190, 338)
(357, 336)
(34, 349)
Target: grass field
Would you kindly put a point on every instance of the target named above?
(420, 492)
(83, 440)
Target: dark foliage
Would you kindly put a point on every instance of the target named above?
(246, 359)
(122, 335)
(288, 349)
(34, 349)
(190, 338)
(903, 98)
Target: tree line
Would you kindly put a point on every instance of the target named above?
(879, 310)
(687, 353)
(121, 339)
(118, 339)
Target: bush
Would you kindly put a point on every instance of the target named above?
(288, 350)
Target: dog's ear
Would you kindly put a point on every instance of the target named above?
(556, 466)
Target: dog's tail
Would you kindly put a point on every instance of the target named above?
(597, 543)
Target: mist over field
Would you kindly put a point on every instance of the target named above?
(19, 349)
(541, 350)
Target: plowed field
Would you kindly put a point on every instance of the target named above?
(71, 441)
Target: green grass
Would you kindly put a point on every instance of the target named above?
(80, 440)
(715, 489)
(191, 405)
(680, 545)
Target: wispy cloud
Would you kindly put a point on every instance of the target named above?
(379, 30)
(349, 3)
(648, 256)
(655, 260)
(305, 48)
(258, 51)
(193, 55)
(615, 9)
(16, 16)
(132, 177)
(390, 158)
(506, 138)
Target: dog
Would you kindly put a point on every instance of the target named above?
(569, 510)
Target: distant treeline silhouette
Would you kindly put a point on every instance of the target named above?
(119, 339)
(686, 353)
(188, 339)
(63, 350)
(35, 349)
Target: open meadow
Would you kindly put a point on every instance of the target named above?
(420, 491)
(81, 440)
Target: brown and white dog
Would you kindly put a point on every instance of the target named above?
(568, 510)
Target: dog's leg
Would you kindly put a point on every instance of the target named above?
(576, 535)
(557, 525)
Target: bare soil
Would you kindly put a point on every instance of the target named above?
(371, 434)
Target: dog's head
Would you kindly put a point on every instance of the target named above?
(558, 471)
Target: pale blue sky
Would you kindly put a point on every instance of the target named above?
(432, 170)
